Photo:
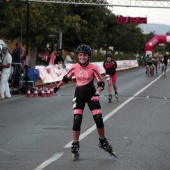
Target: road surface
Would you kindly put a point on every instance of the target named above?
(35, 133)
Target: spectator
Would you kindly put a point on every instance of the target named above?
(69, 58)
(23, 62)
(53, 47)
(59, 58)
(17, 55)
(52, 57)
(46, 56)
(6, 66)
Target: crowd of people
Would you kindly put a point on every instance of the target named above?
(54, 55)
(155, 63)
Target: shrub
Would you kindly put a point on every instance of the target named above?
(101, 57)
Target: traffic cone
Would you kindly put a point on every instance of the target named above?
(51, 91)
(42, 92)
(36, 92)
(48, 93)
(39, 91)
(28, 92)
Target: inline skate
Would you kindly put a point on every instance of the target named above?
(110, 98)
(116, 95)
(104, 144)
(75, 150)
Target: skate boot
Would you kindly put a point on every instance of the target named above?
(75, 150)
(110, 98)
(116, 95)
(104, 144)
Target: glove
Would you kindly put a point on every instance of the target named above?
(56, 89)
(95, 98)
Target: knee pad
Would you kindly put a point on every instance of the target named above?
(77, 122)
(99, 121)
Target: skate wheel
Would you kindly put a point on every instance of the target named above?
(75, 156)
(113, 154)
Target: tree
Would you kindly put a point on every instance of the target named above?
(10, 18)
(94, 25)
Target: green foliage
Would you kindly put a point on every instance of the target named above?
(101, 57)
(93, 25)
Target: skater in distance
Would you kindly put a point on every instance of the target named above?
(110, 67)
(85, 92)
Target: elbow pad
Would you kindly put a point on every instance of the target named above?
(101, 84)
(65, 79)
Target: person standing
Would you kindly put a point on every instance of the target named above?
(85, 92)
(17, 54)
(53, 47)
(59, 59)
(23, 62)
(69, 58)
(110, 66)
(6, 69)
(52, 57)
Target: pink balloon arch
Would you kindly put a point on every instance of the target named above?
(153, 42)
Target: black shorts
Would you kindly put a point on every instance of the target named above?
(82, 97)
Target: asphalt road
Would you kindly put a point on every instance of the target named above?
(35, 133)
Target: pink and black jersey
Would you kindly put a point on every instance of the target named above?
(110, 67)
(84, 75)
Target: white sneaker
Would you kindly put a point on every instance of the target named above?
(8, 97)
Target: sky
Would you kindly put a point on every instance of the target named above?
(154, 15)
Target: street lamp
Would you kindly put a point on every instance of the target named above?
(27, 40)
(27, 26)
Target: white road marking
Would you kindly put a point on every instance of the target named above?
(49, 161)
(92, 128)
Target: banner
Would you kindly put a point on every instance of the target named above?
(55, 73)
